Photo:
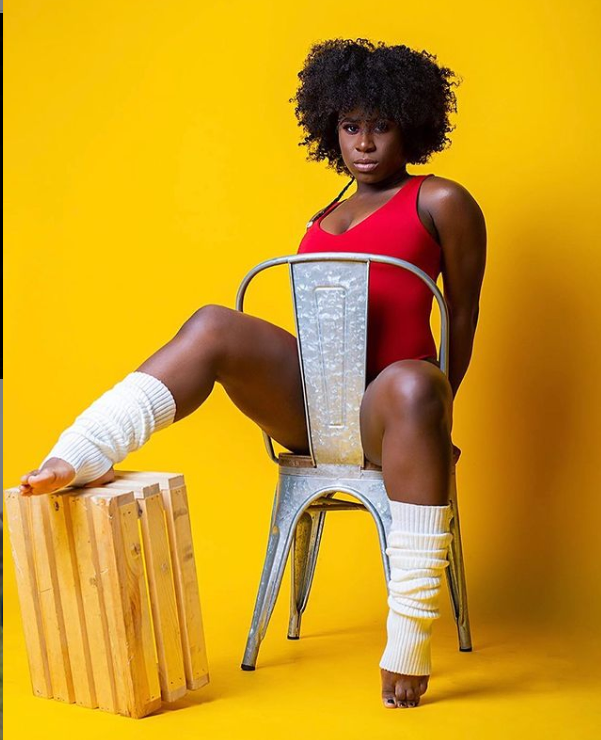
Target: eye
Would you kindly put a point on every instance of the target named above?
(381, 126)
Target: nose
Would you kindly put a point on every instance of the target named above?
(365, 142)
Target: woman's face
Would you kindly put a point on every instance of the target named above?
(378, 139)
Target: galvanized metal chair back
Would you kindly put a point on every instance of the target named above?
(330, 301)
(330, 291)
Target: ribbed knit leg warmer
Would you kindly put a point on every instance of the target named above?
(117, 423)
(417, 548)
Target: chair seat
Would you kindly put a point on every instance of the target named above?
(290, 460)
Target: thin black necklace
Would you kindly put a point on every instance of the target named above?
(336, 199)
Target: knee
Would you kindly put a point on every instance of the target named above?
(206, 332)
(417, 389)
(208, 319)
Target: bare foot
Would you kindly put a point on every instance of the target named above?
(399, 690)
(54, 474)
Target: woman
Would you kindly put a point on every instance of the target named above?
(368, 110)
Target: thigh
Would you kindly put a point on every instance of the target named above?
(387, 396)
(259, 370)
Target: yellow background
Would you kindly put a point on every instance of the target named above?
(152, 159)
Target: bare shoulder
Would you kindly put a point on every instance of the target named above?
(460, 224)
(449, 202)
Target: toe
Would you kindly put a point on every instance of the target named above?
(389, 700)
(42, 476)
(43, 481)
(25, 478)
(400, 695)
(412, 697)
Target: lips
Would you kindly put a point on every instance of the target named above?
(365, 165)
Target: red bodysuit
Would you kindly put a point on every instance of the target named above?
(399, 303)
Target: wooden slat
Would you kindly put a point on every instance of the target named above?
(16, 508)
(62, 546)
(50, 601)
(161, 586)
(92, 597)
(175, 501)
(108, 551)
(120, 556)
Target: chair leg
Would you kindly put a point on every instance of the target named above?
(305, 549)
(278, 547)
(456, 574)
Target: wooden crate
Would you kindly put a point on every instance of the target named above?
(109, 593)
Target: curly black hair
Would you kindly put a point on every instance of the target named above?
(396, 82)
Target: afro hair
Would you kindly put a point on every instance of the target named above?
(396, 82)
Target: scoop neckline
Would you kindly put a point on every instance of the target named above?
(373, 213)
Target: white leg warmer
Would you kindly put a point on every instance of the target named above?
(417, 542)
(118, 422)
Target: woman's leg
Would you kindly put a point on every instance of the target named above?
(255, 361)
(406, 422)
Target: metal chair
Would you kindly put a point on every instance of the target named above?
(330, 306)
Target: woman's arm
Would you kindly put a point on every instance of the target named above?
(462, 231)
